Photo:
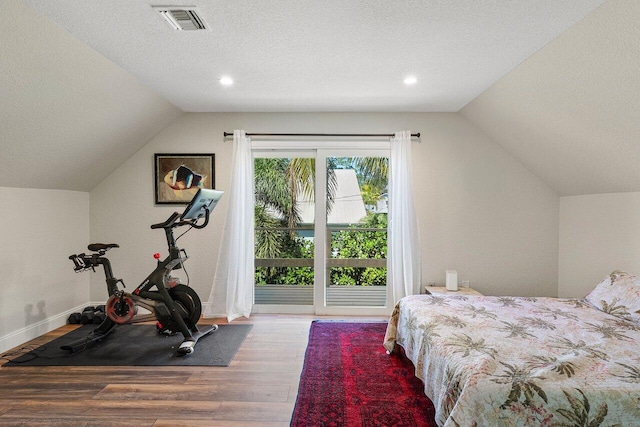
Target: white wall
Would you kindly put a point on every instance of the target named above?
(598, 234)
(40, 229)
(480, 211)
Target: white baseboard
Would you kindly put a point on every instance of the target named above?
(21, 336)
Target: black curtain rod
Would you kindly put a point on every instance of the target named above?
(375, 135)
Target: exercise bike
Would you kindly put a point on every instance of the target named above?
(176, 307)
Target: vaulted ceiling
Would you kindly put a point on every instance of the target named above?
(554, 82)
(571, 113)
(69, 116)
(330, 55)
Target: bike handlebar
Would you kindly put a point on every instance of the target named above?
(171, 221)
(168, 223)
(84, 262)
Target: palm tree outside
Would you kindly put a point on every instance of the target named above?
(281, 186)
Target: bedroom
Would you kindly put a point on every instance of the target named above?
(528, 189)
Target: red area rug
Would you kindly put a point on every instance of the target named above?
(349, 380)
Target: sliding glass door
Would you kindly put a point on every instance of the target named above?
(284, 228)
(321, 231)
(356, 231)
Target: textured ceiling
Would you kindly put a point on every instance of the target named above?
(571, 113)
(330, 55)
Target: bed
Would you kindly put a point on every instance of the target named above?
(515, 361)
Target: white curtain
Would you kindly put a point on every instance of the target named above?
(233, 282)
(404, 241)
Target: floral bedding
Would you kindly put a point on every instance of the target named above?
(510, 361)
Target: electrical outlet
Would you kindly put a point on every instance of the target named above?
(465, 283)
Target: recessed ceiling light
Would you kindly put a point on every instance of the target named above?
(226, 81)
(410, 80)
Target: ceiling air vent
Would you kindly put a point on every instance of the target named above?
(182, 18)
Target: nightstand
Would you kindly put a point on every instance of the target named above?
(441, 290)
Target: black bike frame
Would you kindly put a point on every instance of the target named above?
(158, 300)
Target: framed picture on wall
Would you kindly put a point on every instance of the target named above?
(179, 176)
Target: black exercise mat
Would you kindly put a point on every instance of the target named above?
(138, 345)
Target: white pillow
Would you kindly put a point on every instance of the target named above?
(618, 294)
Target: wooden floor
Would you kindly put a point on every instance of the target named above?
(259, 388)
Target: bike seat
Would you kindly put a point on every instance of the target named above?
(97, 247)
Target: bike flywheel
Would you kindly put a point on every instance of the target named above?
(188, 304)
